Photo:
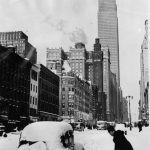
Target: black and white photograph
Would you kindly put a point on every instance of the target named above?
(74, 75)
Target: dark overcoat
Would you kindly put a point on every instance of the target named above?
(121, 143)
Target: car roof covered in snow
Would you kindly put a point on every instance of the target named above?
(45, 131)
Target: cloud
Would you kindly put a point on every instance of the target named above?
(75, 34)
(78, 6)
(58, 25)
(78, 35)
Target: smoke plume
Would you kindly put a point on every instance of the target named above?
(78, 35)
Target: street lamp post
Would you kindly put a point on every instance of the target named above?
(129, 97)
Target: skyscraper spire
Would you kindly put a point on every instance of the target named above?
(145, 41)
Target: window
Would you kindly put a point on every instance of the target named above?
(63, 105)
(33, 100)
(63, 81)
(34, 75)
(63, 113)
(30, 99)
(31, 86)
(63, 96)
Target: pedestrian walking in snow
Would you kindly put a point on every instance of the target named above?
(140, 126)
(121, 143)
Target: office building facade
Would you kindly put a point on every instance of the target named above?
(14, 88)
(108, 32)
(48, 94)
(19, 40)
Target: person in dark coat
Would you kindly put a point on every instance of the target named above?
(121, 143)
(140, 126)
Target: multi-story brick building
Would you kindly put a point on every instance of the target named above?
(55, 58)
(19, 40)
(77, 60)
(76, 96)
(88, 65)
(48, 94)
(14, 87)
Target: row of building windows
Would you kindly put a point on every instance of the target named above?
(70, 113)
(53, 54)
(34, 75)
(9, 36)
(14, 43)
(69, 104)
(34, 88)
(49, 98)
(48, 108)
(33, 100)
(70, 96)
(76, 64)
(50, 78)
(68, 88)
(67, 81)
(50, 88)
(77, 53)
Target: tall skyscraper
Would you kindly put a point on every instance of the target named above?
(108, 32)
(144, 81)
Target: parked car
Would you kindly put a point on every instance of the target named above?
(48, 135)
(101, 125)
(79, 126)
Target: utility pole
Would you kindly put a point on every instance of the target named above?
(129, 97)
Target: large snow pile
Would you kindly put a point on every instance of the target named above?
(47, 131)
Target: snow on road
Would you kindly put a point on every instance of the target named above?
(101, 140)
(9, 143)
(93, 140)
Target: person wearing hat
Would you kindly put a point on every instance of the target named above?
(121, 143)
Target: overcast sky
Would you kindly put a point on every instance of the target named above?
(61, 23)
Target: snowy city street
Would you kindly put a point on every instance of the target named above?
(92, 139)
(74, 75)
